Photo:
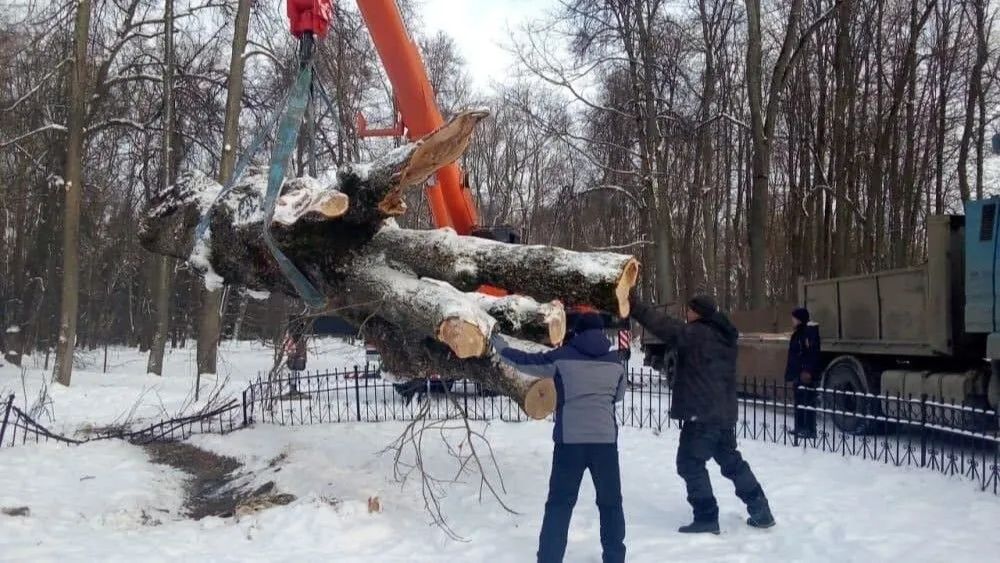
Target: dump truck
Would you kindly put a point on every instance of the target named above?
(930, 331)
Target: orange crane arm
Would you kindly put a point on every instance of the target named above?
(450, 201)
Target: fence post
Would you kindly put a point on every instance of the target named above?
(6, 417)
(246, 422)
(923, 430)
(357, 395)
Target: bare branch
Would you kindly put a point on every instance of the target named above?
(42, 129)
(38, 86)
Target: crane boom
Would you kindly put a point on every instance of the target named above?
(450, 201)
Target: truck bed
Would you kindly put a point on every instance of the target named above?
(904, 312)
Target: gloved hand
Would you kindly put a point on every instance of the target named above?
(497, 343)
(632, 300)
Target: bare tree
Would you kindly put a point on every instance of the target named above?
(74, 194)
(763, 121)
(209, 328)
(164, 264)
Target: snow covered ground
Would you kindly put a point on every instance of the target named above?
(126, 393)
(107, 501)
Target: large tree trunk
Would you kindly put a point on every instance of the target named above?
(74, 194)
(162, 283)
(406, 290)
(211, 306)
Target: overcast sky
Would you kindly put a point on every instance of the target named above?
(480, 29)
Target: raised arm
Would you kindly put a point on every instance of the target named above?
(665, 327)
(535, 364)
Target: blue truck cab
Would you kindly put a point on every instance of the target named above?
(982, 283)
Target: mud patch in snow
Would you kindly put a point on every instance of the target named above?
(215, 487)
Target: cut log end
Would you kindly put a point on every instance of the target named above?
(393, 204)
(627, 280)
(298, 205)
(465, 339)
(441, 147)
(540, 398)
(555, 317)
(333, 205)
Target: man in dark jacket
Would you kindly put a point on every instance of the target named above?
(589, 379)
(705, 401)
(802, 370)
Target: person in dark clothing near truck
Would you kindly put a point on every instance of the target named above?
(589, 380)
(802, 370)
(705, 401)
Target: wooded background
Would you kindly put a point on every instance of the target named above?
(732, 146)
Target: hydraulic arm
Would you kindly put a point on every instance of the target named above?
(451, 202)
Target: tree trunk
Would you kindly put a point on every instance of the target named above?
(763, 119)
(972, 103)
(163, 281)
(211, 306)
(63, 368)
(241, 313)
(403, 352)
(404, 288)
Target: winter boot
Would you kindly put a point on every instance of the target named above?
(758, 509)
(760, 516)
(701, 527)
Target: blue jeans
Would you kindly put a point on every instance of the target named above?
(569, 461)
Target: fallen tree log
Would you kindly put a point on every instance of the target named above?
(524, 318)
(411, 355)
(423, 306)
(406, 290)
(600, 279)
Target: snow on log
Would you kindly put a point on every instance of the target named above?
(305, 199)
(600, 279)
(408, 291)
(524, 318)
(421, 305)
(409, 354)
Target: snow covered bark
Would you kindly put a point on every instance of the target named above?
(406, 290)
(421, 305)
(410, 355)
(600, 279)
(524, 318)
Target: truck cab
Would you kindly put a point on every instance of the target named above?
(982, 285)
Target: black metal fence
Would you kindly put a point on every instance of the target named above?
(913, 431)
(18, 428)
(901, 431)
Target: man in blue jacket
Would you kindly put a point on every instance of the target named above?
(589, 379)
(802, 370)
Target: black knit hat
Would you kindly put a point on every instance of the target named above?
(802, 314)
(704, 305)
(587, 321)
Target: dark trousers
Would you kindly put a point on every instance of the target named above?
(569, 461)
(805, 418)
(701, 442)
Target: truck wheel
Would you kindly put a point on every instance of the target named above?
(845, 379)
